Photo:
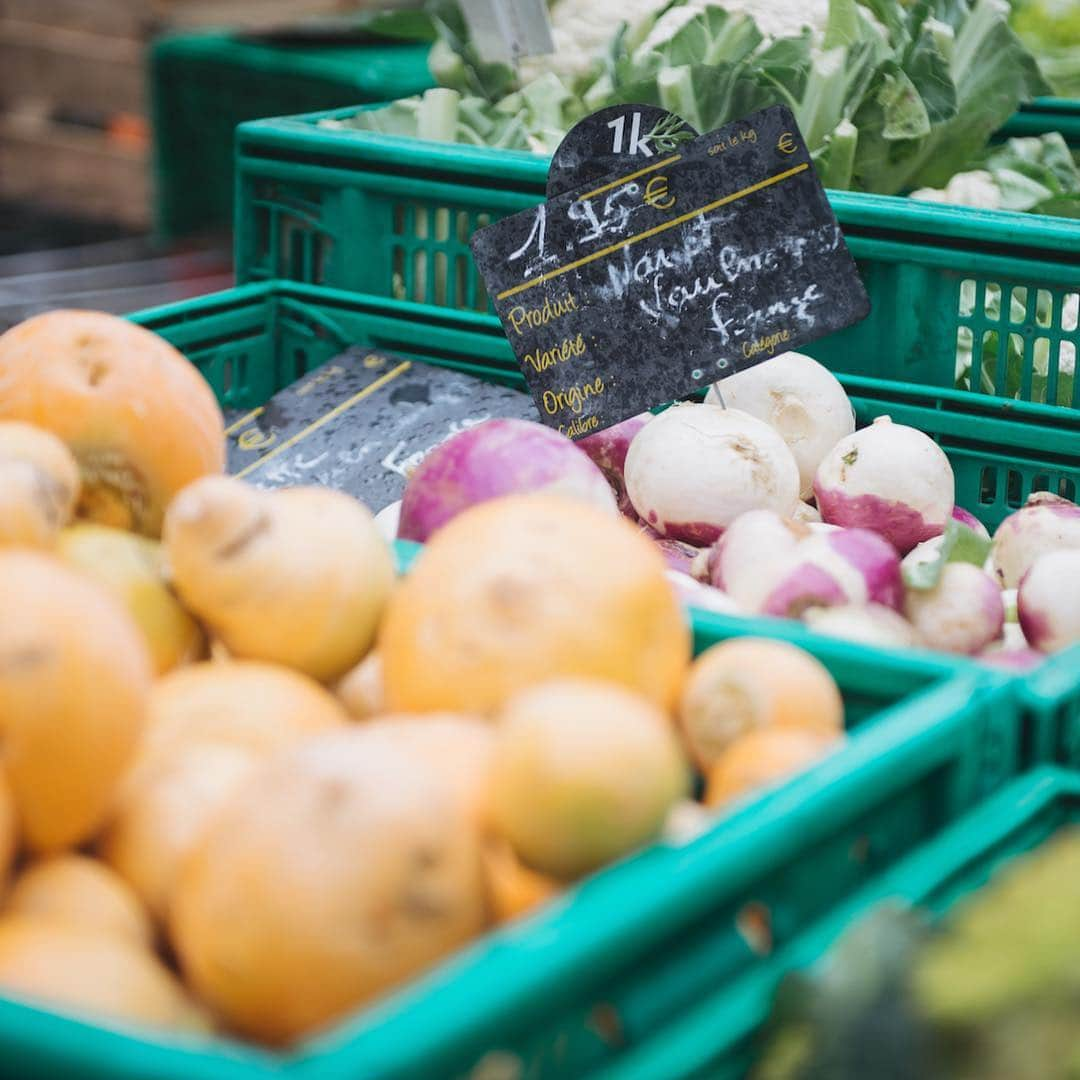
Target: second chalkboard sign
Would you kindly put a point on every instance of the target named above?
(679, 270)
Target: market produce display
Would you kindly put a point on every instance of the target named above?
(889, 96)
(253, 780)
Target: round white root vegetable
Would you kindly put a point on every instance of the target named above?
(1046, 523)
(608, 450)
(963, 613)
(868, 624)
(889, 478)
(807, 513)
(966, 517)
(677, 554)
(764, 573)
(797, 396)
(695, 594)
(1049, 601)
(297, 576)
(497, 457)
(694, 469)
(1012, 658)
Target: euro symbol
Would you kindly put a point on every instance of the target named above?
(254, 439)
(786, 144)
(657, 195)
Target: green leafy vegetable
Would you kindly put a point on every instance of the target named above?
(889, 94)
(960, 543)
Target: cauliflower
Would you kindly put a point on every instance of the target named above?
(582, 31)
(977, 189)
(773, 19)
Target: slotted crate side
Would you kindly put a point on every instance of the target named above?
(204, 84)
(1044, 115)
(986, 300)
(715, 1040)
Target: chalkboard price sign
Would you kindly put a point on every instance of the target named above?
(679, 269)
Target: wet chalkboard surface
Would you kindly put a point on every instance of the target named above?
(361, 423)
(675, 272)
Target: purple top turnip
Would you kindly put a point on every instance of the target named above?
(608, 450)
(890, 478)
(497, 457)
(963, 613)
(798, 397)
(694, 469)
(1047, 523)
(778, 567)
(966, 517)
(1048, 601)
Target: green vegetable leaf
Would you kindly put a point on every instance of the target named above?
(960, 543)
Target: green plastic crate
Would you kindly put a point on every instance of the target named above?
(204, 84)
(252, 340)
(1047, 114)
(392, 216)
(714, 1040)
(596, 975)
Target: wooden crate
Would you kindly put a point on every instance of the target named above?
(79, 171)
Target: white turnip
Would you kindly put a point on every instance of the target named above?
(497, 457)
(963, 613)
(608, 450)
(867, 624)
(1046, 523)
(797, 396)
(889, 478)
(1049, 601)
(694, 469)
(966, 517)
(782, 568)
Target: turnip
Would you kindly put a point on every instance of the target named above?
(966, 517)
(608, 450)
(754, 543)
(297, 576)
(868, 624)
(747, 683)
(1012, 658)
(1049, 601)
(783, 568)
(798, 397)
(1046, 523)
(694, 469)
(808, 513)
(963, 613)
(497, 457)
(695, 594)
(677, 554)
(890, 478)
